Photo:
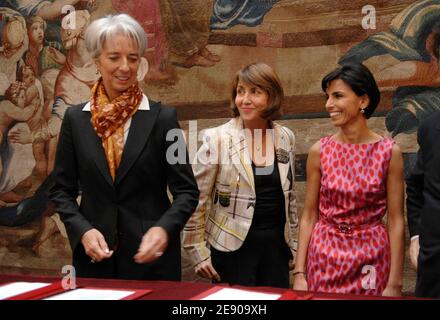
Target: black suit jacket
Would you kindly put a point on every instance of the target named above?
(423, 205)
(125, 209)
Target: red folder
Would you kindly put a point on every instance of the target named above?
(208, 292)
(138, 293)
(57, 288)
(285, 296)
(40, 293)
(289, 295)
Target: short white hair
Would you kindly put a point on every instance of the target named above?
(100, 30)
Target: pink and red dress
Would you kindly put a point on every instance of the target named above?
(349, 250)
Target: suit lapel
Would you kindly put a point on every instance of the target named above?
(140, 129)
(95, 148)
(239, 153)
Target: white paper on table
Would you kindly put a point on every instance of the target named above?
(15, 288)
(91, 294)
(237, 294)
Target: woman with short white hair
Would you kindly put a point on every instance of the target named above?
(114, 148)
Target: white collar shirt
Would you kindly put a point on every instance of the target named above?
(145, 105)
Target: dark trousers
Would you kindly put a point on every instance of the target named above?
(262, 260)
(427, 285)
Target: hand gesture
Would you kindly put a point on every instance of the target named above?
(206, 270)
(95, 246)
(414, 249)
(153, 245)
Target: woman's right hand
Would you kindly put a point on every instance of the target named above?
(300, 282)
(414, 249)
(206, 270)
(95, 245)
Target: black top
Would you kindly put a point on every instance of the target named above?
(269, 207)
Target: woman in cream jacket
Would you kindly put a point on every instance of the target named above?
(244, 228)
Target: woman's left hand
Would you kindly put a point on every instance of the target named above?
(392, 291)
(153, 245)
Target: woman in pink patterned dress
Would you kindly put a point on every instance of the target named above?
(353, 178)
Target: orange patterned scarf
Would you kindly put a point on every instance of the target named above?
(109, 117)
